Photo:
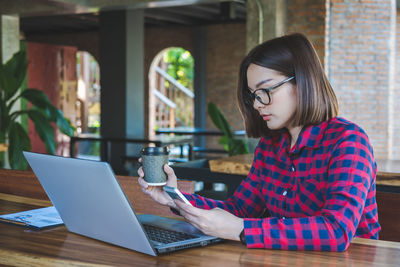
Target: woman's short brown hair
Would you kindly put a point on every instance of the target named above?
(290, 55)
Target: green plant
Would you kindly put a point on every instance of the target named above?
(12, 77)
(231, 144)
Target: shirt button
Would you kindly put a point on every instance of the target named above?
(283, 217)
(284, 193)
(293, 169)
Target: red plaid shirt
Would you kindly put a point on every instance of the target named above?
(317, 195)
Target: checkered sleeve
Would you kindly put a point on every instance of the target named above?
(246, 202)
(351, 172)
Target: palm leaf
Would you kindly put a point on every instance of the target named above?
(37, 98)
(231, 145)
(239, 146)
(12, 78)
(44, 130)
(7, 83)
(2, 113)
(17, 66)
(219, 119)
(224, 140)
(13, 74)
(18, 142)
(63, 123)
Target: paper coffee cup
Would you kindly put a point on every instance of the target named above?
(153, 161)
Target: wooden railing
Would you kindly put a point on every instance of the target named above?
(173, 103)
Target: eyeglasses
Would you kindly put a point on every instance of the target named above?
(263, 95)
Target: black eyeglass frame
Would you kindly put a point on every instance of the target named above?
(268, 90)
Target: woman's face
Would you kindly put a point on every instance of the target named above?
(280, 111)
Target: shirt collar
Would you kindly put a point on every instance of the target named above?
(310, 136)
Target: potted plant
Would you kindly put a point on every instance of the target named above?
(231, 144)
(42, 112)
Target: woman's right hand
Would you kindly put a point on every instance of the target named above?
(156, 192)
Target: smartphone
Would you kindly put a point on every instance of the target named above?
(174, 193)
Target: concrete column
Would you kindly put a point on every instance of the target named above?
(266, 19)
(200, 89)
(134, 72)
(9, 32)
(9, 44)
(122, 85)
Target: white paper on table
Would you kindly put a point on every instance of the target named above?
(37, 218)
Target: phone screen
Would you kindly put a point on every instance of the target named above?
(174, 193)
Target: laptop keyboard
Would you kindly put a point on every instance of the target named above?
(165, 236)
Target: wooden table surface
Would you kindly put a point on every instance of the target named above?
(3, 147)
(20, 246)
(388, 170)
(239, 164)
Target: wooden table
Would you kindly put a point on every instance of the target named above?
(20, 246)
(3, 147)
(239, 164)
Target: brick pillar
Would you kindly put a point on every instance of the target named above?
(396, 98)
(308, 17)
(361, 45)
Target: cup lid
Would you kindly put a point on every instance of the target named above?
(155, 150)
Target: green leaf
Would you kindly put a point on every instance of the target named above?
(65, 126)
(7, 84)
(44, 130)
(18, 142)
(224, 140)
(239, 146)
(3, 113)
(13, 74)
(37, 98)
(63, 123)
(12, 78)
(17, 65)
(219, 120)
(232, 145)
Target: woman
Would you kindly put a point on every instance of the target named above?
(312, 182)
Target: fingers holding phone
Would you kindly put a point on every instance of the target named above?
(174, 193)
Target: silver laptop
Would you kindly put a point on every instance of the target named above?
(91, 202)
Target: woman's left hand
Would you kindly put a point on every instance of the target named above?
(215, 222)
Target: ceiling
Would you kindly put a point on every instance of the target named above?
(201, 13)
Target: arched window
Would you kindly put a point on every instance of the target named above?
(88, 95)
(171, 94)
(88, 102)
